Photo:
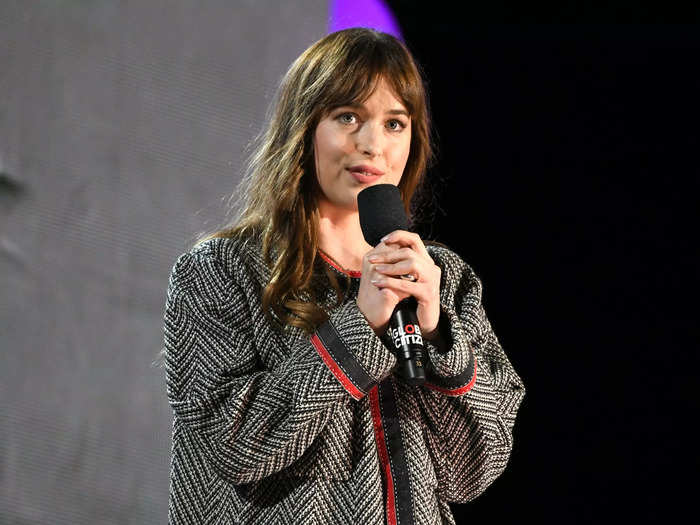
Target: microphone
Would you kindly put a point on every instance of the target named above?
(381, 212)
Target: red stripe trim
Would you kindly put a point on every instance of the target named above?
(383, 455)
(335, 369)
(455, 391)
(351, 273)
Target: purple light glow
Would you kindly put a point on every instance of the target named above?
(343, 14)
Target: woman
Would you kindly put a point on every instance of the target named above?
(278, 370)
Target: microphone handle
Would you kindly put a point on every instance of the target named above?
(406, 337)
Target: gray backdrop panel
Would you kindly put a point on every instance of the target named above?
(122, 127)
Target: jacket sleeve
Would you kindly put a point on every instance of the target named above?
(472, 393)
(252, 422)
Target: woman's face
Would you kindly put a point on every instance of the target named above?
(376, 134)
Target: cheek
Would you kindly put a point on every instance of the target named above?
(407, 152)
(337, 144)
(330, 145)
(400, 159)
(402, 152)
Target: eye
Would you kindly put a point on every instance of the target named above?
(401, 124)
(345, 115)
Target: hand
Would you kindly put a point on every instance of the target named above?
(402, 253)
(376, 304)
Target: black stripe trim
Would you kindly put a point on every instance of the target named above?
(397, 454)
(451, 382)
(342, 355)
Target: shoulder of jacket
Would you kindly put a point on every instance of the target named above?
(217, 262)
(447, 258)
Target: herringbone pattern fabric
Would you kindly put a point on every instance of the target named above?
(271, 426)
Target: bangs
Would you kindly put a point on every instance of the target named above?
(354, 79)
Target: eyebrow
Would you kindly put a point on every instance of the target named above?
(361, 106)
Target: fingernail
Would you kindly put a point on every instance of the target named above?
(385, 237)
(373, 259)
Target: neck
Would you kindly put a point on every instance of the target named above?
(340, 236)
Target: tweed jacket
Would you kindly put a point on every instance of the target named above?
(273, 426)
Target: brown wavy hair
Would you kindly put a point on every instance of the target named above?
(278, 194)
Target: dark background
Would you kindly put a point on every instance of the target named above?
(569, 140)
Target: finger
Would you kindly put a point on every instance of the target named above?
(397, 255)
(405, 262)
(392, 294)
(403, 267)
(407, 238)
(376, 252)
(416, 289)
(380, 251)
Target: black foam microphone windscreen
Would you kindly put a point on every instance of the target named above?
(381, 212)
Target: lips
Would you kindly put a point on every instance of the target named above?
(363, 177)
(366, 170)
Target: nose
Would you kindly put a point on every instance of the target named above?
(369, 139)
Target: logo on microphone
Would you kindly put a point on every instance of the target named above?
(406, 335)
